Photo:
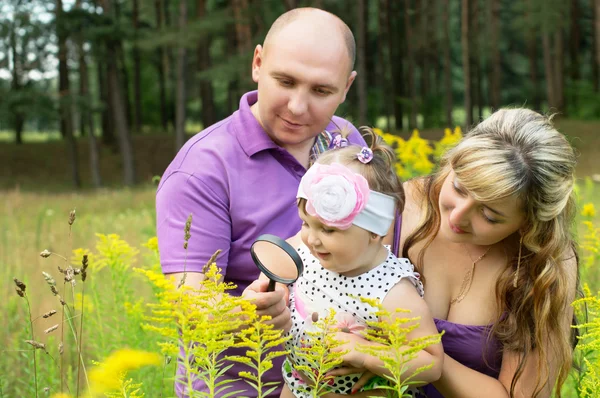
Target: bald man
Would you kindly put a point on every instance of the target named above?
(239, 177)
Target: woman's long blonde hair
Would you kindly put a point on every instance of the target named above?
(519, 152)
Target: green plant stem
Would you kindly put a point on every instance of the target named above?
(62, 342)
(80, 362)
(34, 349)
(70, 322)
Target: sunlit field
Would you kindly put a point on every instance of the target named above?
(115, 228)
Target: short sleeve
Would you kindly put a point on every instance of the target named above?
(179, 195)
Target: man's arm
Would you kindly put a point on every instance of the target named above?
(182, 194)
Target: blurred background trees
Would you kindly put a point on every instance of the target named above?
(109, 71)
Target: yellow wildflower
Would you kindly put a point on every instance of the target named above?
(588, 210)
(152, 244)
(108, 374)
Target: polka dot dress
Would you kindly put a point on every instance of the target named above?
(318, 290)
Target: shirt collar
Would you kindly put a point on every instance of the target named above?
(253, 138)
(250, 134)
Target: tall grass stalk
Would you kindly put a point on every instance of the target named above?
(35, 381)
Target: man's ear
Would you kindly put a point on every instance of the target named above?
(349, 84)
(257, 61)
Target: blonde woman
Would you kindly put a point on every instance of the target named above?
(490, 235)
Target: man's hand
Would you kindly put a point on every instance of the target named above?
(273, 304)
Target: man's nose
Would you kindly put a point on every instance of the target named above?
(298, 104)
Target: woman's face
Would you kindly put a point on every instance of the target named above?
(465, 220)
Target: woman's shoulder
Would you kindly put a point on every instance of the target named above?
(414, 205)
(414, 192)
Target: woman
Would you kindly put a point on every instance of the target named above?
(490, 235)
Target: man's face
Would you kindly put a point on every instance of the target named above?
(301, 82)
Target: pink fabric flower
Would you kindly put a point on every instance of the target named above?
(347, 323)
(335, 194)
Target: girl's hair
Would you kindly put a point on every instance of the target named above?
(379, 172)
(519, 152)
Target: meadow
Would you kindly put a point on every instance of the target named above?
(115, 227)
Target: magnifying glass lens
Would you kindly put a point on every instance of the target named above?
(277, 259)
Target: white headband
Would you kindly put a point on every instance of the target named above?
(339, 197)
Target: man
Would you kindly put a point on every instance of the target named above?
(239, 177)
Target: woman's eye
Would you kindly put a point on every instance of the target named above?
(286, 83)
(489, 219)
(328, 231)
(457, 189)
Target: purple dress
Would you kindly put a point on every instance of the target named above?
(470, 346)
(467, 344)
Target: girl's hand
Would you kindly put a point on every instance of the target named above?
(352, 358)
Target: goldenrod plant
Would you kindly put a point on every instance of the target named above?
(588, 379)
(394, 348)
(319, 352)
(203, 321)
(263, 344)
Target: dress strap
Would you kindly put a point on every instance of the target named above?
(397, 234)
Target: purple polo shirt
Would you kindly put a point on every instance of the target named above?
(237, 184)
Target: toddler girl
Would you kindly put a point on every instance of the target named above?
(347, 202)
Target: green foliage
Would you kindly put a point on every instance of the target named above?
(394, 348)
(319, 352)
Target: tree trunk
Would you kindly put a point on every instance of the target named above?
(396, 71)
(170, 71)
(15, 86)
(361, 78)
(87, 118)
(412, 120)
(494, 40)
(383, 63)
(290, 4)
(160, 66)
(181, 81)
(466, 62)
(559, 72)
(596, 67)
(532, 54)
(66, 121)
(575, 38)
(425, 43)
(124, 79)
(447, 64)
(243, 39)
(549, 71)
(209, 116)
(475, 57)
(137, 83)
(118, 107)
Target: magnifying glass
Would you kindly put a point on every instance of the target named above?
(277, 259)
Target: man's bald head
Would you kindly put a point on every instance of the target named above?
(325, 21)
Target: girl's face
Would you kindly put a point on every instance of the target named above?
(349, 252)
(465, 220)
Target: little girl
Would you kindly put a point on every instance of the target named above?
(347, 202)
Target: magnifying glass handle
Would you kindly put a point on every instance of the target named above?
(271, 286)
